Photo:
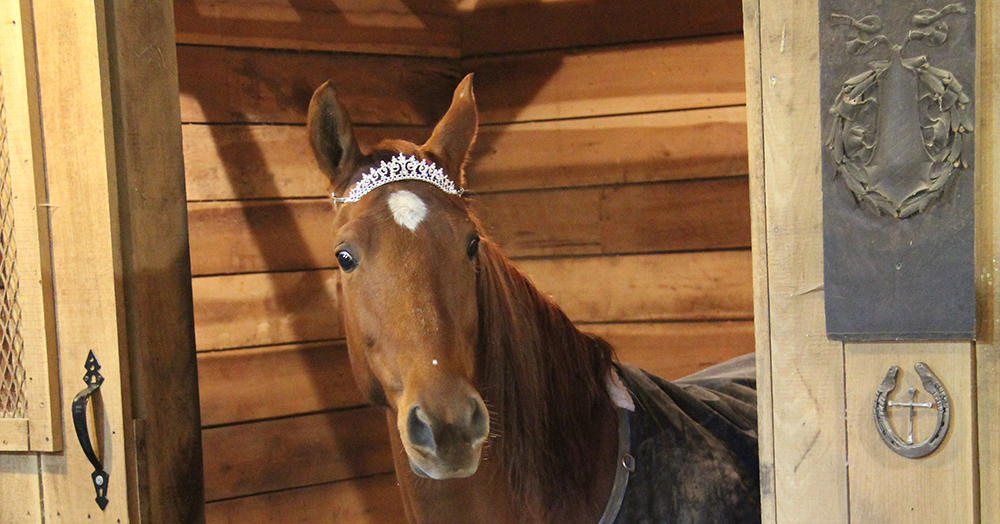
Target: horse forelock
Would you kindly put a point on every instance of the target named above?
(544, 382)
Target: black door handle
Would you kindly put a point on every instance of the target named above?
(93, 379)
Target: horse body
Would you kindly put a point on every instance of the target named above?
(501, 405)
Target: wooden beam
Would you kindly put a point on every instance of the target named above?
(76, 114)
(758, 235)
(281, 235)
(660, 76)
(417, 28)
(273, 455)
(260, 309)
(302, 378)
(371, 500)
(156, 272)
(806, 370)
(231, 85)
(987, 346)
(531, 26)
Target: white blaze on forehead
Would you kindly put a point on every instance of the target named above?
(407, 209)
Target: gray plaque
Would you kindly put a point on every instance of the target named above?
(896, 95)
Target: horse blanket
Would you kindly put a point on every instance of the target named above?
(694, 441)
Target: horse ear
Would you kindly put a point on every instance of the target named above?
(332, 137)
(452, 138)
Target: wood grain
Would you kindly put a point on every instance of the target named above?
(676, 349)
(758, 234)
(807, 370)
(273, 455)
(682, 286)
(281, 235)
(156, 272)
(371, 500)
(547, 25)
(685, 74)
(939, 487)
(258, 309)
(306, 378)
(230, 162)
(262, 309)
(231, 85)
(227, 162)
(86, 265)
(40, 428)
(987, 253)
(675, 145)
(19, 488)
(370, 26)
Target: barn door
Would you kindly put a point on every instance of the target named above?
(98, 395)
(823, 402)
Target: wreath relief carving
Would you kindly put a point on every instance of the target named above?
(925, 117)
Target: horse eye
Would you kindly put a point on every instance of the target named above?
(346, 261)
(473, 247)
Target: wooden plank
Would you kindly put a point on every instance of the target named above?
(939, 487)
(156, 272)
(307, 378)
(371, 500)
(19, 489)
(26, 178)
(676, 349)
(987, 256)
(227, 162)
(14, 434)
(661, 76)
(260, 309)
(230, 85)
(758, 234)
(273, 455)
(682, 286)
(674, 145)
(807, 370)
(371, 26)
(280, 235)
(547, 25)
(79, 153)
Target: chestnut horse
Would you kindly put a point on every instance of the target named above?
(506, 412)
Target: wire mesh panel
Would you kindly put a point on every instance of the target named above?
(13, 402)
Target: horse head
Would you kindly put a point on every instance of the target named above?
(407, 252)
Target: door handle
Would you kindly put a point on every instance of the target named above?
(93, 379)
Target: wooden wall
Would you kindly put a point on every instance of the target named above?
(611, 163)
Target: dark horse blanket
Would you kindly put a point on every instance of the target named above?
(695, 446)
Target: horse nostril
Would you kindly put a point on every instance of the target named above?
(480, 421)
(420, 433)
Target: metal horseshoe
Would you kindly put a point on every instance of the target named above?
(933, 386)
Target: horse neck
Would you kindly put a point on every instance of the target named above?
(544, 382)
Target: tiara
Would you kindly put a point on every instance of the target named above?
(401, 167)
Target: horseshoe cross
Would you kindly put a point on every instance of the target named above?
(882, 403)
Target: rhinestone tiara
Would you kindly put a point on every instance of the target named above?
(400, 167)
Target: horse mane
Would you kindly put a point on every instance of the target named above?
(544, 381)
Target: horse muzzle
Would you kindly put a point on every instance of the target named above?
(448, 445)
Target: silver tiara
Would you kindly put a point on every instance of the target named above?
(401, 167)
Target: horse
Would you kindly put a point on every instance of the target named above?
(499, 409)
